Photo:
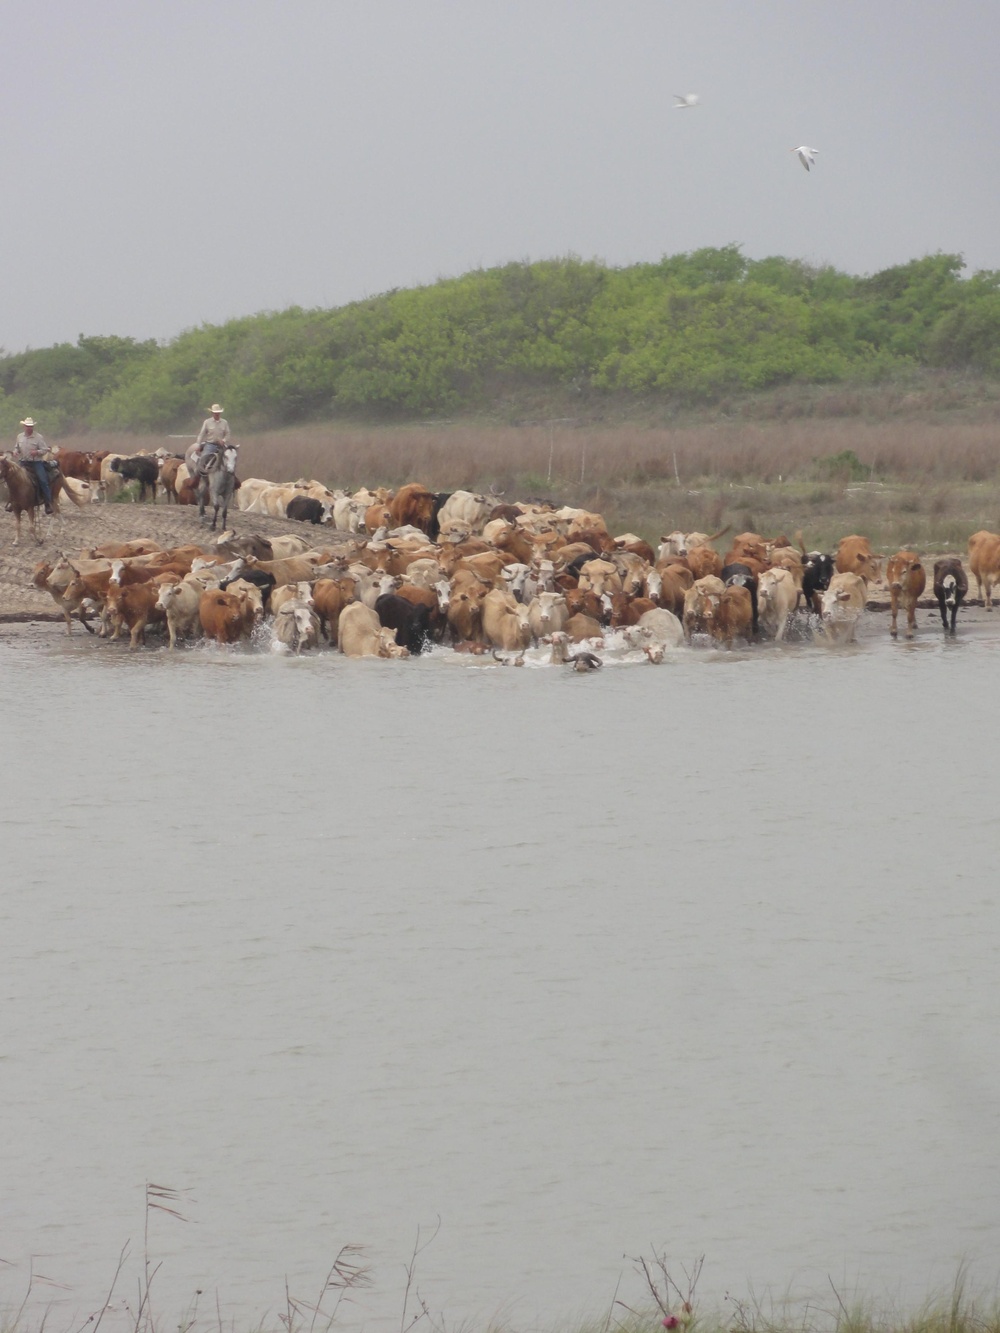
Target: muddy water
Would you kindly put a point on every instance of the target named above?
(701, 956)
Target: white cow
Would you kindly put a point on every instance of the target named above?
(842, 607)
(777, 595)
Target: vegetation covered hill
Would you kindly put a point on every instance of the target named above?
(687, 331)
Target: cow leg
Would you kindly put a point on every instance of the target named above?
(894, 606)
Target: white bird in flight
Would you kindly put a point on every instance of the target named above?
(685, 101)
(807, 156)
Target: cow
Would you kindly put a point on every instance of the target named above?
(464, 507)
(854, 556)
(841, 607)
(140, 468)
(951, 587)
(413, 504)
(169, 468)
(43, 580)
(505, 621)
(307, 509)
(296, 627)
(330, 596)
(984, 561)
(225, 617)
(740, 574)
(109, 479)
(704, 562)
(547, 614)
(734, 618)
(135, 605)
(701, 603)
(179, 603)
(411, 622)
(435, 600)
(817, 571)
(581, 627)
(662, 627)
(777, 598)
(906, 579)
(360, 634)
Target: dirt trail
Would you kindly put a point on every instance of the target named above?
(72, 530)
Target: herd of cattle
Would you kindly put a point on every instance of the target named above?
(391, 573)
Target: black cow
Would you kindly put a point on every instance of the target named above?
(817, 571)
(145, 471)
(951, 585)
(305, 509)
(441, 498)
(411, 623)
(742, 576)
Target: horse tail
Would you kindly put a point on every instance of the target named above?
(66, 490)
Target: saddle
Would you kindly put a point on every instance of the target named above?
(51, 467)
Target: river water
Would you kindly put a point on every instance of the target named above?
(696, 959)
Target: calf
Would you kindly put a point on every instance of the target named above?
(906, 578)
(951, 586)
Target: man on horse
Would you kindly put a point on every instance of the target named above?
(30, 451)
(212, 439)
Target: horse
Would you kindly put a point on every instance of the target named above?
(217, 483)
(24, 498)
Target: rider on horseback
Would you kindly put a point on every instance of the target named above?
(30, 451)
(212, 439)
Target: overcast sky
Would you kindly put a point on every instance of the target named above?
(173, 162)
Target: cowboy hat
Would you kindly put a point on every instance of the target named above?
(28, 421)
(215, 408)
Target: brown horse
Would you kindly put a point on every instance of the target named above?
(23, 496)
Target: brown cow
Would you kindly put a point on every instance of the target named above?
(906, 579)
(134, 605)
(734, 616)
(413, 504)
(704, 561)
(225, 617)
(854, 556)
(701, 603)
(330, 596)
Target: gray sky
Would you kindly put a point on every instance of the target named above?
(173, 162)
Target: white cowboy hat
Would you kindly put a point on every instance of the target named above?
(28, 421)
(215, 408)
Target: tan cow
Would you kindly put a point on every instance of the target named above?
(907, 580)
(984, 561)
(854, 556)
(360, 634)
(505, 621)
